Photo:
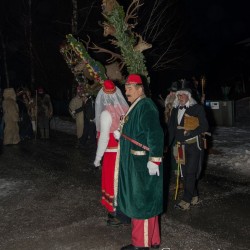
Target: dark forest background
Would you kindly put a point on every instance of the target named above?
(212, 41)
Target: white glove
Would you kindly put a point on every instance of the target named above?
(153, 169)
(117, 135)
(97, 162)
(73, 113)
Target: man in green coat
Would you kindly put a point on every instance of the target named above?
(140, 173)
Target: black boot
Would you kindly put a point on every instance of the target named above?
(123, 218)
(113, 220)
(155, 246)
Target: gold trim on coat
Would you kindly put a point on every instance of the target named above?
(155, 159)
(136, 152)
(191, 140)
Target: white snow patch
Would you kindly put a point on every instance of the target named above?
(234, 147)
(232, 142)
(64, 126)
(8, 187)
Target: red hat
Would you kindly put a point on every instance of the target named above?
(109, 87)
(40, 90)
(134, 79)
(79, 88)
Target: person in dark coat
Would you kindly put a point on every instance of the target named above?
(44, 113)
(25, 125)
(1, 118)
(89, 132)
(186, 126)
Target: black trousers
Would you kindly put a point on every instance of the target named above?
(190, 170)
(89, 132)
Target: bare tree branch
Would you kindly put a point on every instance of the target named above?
(114, 56)
(132, 10)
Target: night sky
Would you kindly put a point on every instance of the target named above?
(212, 30)
(217, 25)
(225, 23)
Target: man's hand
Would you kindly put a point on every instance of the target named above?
(186, 132)
(153, 169)
(117, 135)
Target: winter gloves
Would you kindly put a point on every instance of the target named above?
(97, 162)
(153, 169)
(117, 135)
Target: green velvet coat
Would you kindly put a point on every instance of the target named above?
(139, 194)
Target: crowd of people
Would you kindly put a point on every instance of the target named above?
(23, 114)
(82, 110)
(131, 142)
(130, 153)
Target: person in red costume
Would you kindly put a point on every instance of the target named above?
(110, 106)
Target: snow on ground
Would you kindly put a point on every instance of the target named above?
(8, 187)
(66, 126)
(231, 146)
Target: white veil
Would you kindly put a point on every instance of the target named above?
(114, 103)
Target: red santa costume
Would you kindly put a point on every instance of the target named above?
(110, 106)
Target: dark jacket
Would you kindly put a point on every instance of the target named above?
(176, 134)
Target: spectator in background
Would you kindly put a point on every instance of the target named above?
(32, 110)
(89, 132)
(1, 117)
(198, 90)
(175, 86)
(25, 126)
(76, 109)
(10, 117)
(44, 113)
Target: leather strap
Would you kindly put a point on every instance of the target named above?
(135, 142)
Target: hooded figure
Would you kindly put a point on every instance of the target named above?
(10, 117)
(76, 109)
